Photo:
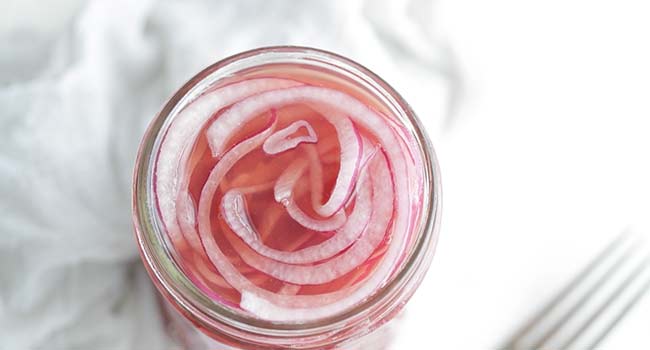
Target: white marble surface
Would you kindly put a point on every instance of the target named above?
(538, 111)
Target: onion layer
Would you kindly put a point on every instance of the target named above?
(280, 141)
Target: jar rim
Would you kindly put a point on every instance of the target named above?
(202, 310)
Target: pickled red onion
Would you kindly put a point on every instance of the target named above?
(283, 193)
(376, 201)
(280, 141)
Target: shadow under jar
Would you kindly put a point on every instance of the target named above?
(286, 197)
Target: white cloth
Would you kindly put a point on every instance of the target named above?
(80, 81)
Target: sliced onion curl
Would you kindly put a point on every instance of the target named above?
(280, 141)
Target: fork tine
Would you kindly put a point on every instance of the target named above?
(630, 304)
(638, 270)
(585, 297)
(514, 341)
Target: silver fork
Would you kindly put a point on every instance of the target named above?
(584, 312)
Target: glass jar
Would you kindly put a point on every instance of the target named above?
(244, 332)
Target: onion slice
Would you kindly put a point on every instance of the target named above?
(351, 151)
(283, 193)
(280, 140)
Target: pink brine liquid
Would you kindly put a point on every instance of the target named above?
(288, 194)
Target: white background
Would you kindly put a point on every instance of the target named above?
(544, 147)
(549, 161)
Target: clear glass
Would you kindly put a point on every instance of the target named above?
(239, 330)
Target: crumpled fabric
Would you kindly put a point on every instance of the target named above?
(74, 103)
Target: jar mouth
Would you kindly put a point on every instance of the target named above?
(208, 314)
